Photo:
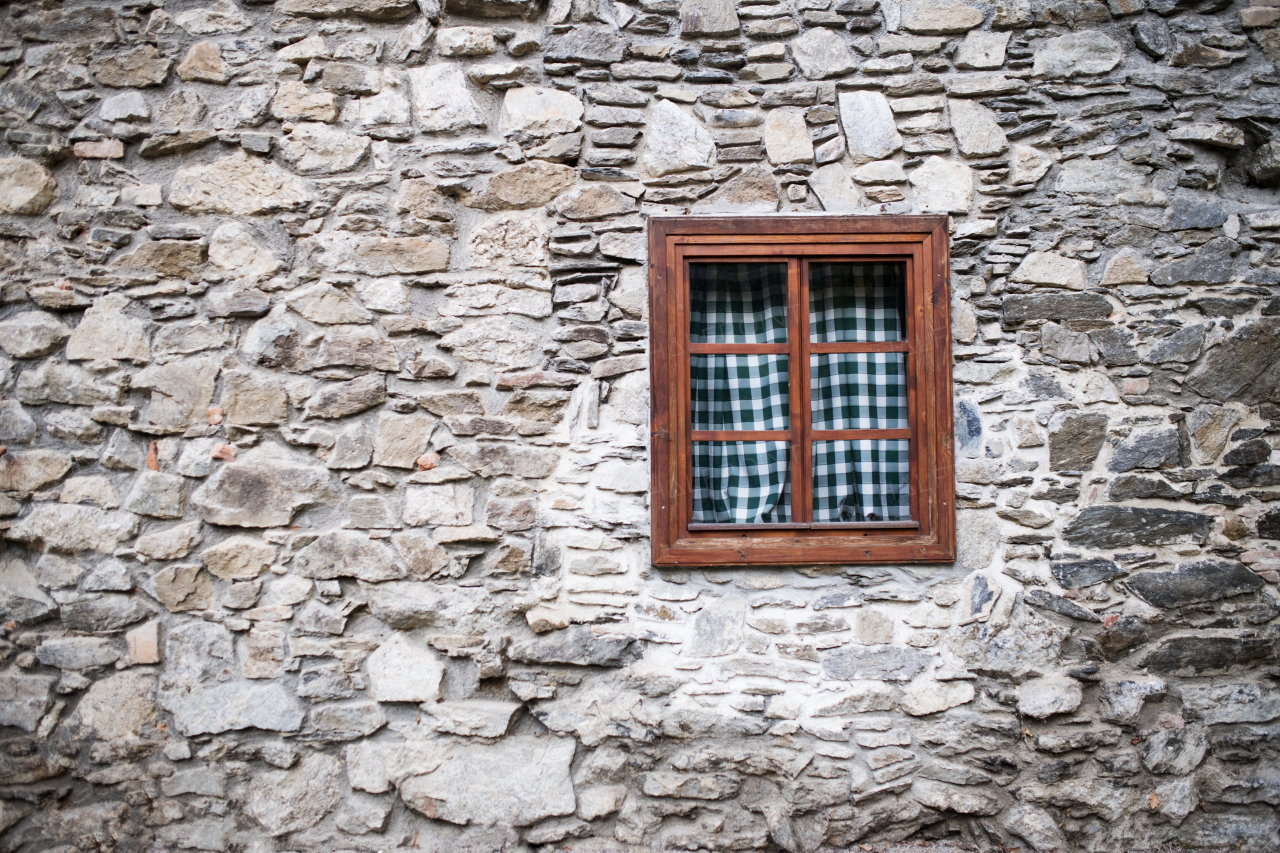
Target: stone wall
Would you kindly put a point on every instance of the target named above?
(323, 411)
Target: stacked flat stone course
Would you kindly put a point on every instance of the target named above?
(324, 397)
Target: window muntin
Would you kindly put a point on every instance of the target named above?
(850, 474)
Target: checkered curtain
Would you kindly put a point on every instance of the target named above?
(749, 482)
(740, 482)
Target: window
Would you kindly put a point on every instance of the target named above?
(801, 390)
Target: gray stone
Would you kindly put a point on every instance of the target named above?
(360, 814)
(222, 17)
(1157, 448)
(821, 54)
(1036, 827)
(491, 8)
(675, 141)
(1193, 583)
(16, 426)
(540, 111)
(107, 332)
(1242, 368)
(172, 543)
(948, 798)
(1182, 346)
(347, 554)
(1175, 751)
(939, 17)
(317, 149)
(286, 801)
(1211, 264)
(1076, 54)
(24, 699)
(869, 127)
(577, 646)
(157, 495)
(1056, 306)
(976, 130)
(377, 10)
(516, 782)
(261, 492)
(1193, 212)
(1065, 345)
(1043, 697)
(67, 528)
(1063, 606)
(1075, 439)
(140, 66)
(786, 137)
(980, 50)
(1208, 655)
(708, 18)
(593, 46)
(78, 652)
(834, 189)
(26, 188)
(340, 399)
(401, 670)
(1151, 35)
(102, 613)
(1231, 703)
(32, 333)
(32, 470)
(1122, 701)
(238, 185)
(21, 598)
(442, 99)
(1050, 269)
(1207, 430)
(1118, 527)
(852, 663)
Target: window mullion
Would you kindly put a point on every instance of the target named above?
(798, 330)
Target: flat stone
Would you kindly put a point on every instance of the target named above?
(980, 50)
(1175, 751)
(1128, 266)
(235, 248)
(1019, 308)
(137, 68)
(1204, 580)
(1188, 211)
(182, 588)
(927, 696)
(474, 718)
(940, 17)
(1052, 270)
(1145, 449)
(1208, 655)
(1029, 165)
(708, 18)
(107, 332)
(157, 495)
(869, 127)
(317, 149)
(976, 130)
(786, 137)
(577, 646)
(1211, 264)
(442, 99)
(1231, 703)
(943, 186)
(296, 101)
(238, 185)
(377, 10)
(21, 598)
(253, 399)
(222, 17)
(261, 492)
(1041, 698)
(181, 392)
(1242, 369)
(26, 187)
(948, 798)
(540, 111)
(1119, 527)
(402, 670)
(492, 8)
(531, 184)
(1208, 428)
(347, 554)
(1085, 52)
(340, 399)
(1105, 178)
(465, 41)
(24, 699)
(832, 185)
(286, 801)
(71, 528)
(172, 543)
(821, 54)
(202, 64)
(515, 782)
(675, 141)
(32, 470)
(1035, 826)
(852, 663)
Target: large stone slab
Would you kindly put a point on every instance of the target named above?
(1243, 368)
(675, 141)
(71, 528)
(290, 800)
(869, 127)
(943, 186)
(821, 53)
(261, 492)
(1075, 54)
(404, 670)
(940, 17)
(515, 782)
(347, 554)
(1120, 526)
(976, 130)
(1203, 580)
(578, 646)
(24, 699)
(26, 187)
(540, 110)
(885, 663)
(442, 99)
(238, 185)
(377, 10)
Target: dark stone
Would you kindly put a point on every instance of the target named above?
(1210, 265)
(1216, 493)
(165, 145)
(1186, 212)
(1018, 308)
(1075, 442)
(1082, 573)
(1037, 387)
(853, 663)
(1252, 476)
(1265, 165)
(102, 613)
(1182, 346)
(1269, 525)
(1253, 452)
(1209, 655)
(1133, 487)
(577, 646)
(1115, 345)
(1152, 37)
(339, 399)
(587, 45)
(968, 426)
(1056, 771)
(1121, 526)
(492, 8)
(1221, 306)
(1057, 494)
(1206, 580)
(1121, 637)
(1048, 601)
(1145, 450)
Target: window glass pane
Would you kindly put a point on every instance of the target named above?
(863, 390)
(861, 481)
(741, 482)
(739, 391)
(738, 303)
(857, 302)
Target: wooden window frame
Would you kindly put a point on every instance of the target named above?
(922, 241)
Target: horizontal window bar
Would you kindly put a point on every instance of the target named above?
(741, 435)
(852, 525)
(868, 346)
(739, 349)
(857, 434)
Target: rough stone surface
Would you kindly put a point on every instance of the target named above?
(324, 449)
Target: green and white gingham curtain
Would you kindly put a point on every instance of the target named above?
(749, 482)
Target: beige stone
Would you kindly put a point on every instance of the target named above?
(236, 249)
(203, 64)
(445, 505)
(1052, 270)
(442, 99)
(786, 137)
(26, 188)
(540, 111)
(508, 240)
(253, 399)
(238, 185)
(531, 184)
(312, 148)
(939, 17)
(401, 439)
(1126, 266)
(239, 558)
(107, 332)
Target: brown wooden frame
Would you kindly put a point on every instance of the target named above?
(920, 241)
